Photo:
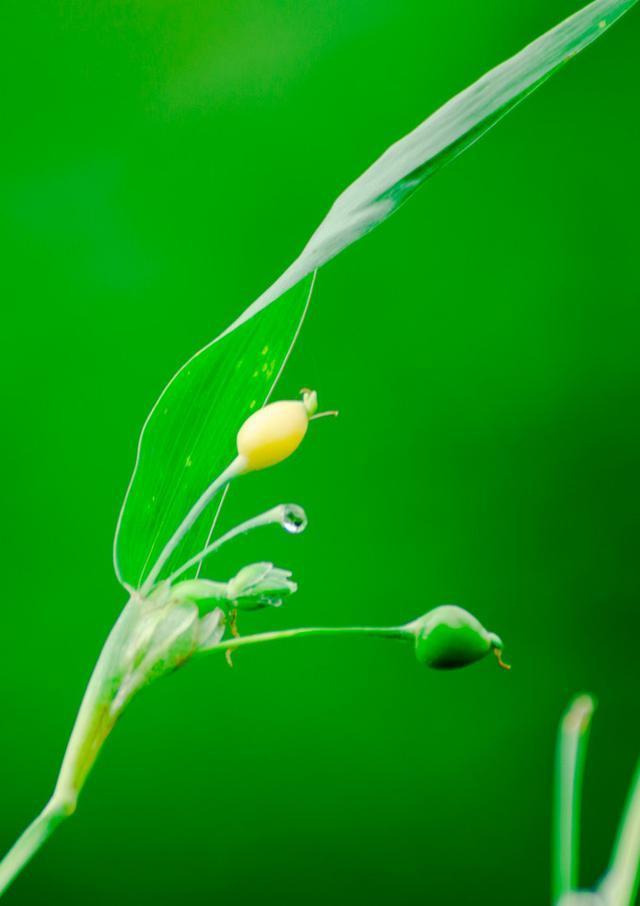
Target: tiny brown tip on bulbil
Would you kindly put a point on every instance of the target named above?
(498, 654)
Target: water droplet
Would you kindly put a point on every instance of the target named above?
(294, 519)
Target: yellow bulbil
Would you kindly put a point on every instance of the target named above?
(273, 433)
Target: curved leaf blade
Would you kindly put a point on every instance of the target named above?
(192, 441)
(407, 164)
(189, 436)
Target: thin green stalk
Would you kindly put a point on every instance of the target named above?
(570, 755)
(269, 517)
(387, 632)
(28, 844)
(620, 884)
(93, 724)
(232, 471)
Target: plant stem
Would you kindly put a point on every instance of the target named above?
(571, 751)
(30, 841)
(93, 724)
(388, 632)
(232, 471)
(266, 518)
(620, 884)
(97, 717)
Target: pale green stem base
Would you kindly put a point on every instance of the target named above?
(97, 718)
(93, 724)
(31, 840)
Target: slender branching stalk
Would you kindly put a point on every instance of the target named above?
(277, 514)
(387, 632)
(234, 469)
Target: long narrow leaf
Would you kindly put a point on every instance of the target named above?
(405, 166)
(188, 437)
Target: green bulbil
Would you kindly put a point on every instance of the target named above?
(450, 637)
(260, 585)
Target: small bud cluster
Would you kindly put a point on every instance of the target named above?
(255, 586)
(260, 585)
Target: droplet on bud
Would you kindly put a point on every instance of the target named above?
(294, 518)
(260, 585)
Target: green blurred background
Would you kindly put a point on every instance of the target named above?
(162, 163)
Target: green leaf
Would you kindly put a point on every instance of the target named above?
(189, 436)
(405, 166)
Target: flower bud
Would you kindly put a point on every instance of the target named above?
(450, 637)
(260, 585)
(274, 432)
